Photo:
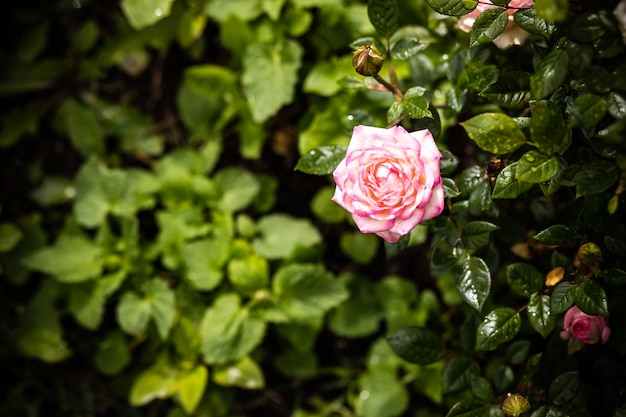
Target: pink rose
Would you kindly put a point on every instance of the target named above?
(389, 180)
(512, 35)
(588, 329)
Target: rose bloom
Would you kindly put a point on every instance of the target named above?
(620, 15)
(389, 180)
(588, 329)
(512, 35)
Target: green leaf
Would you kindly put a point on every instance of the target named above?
(458, 373)
(144, 13)
(325, 76)
(595, 178)
(587, 110)
(325, 209)
(488, 25)
(406, 48)
(616, 105)
(244, 373)
(249, 274)
(557, 234)
(507, 184)
(478, 76)
(306, 291)
(562, 297)
(204, 260)
(270, 75)
(44, 344)
(539, 314)
(473, 282)
(453, 7)
(591, 298)
(360, 247)
(499, 326)
(469, 408)
(564, 388)
(531, 22)
(156, 382)
(511, 90)
(387, 396)
(358, 316)
(324, 130)
(450, 190)
(113, 354)
(228, 331)
(417, 345)
(274, 243)
(416, 106)
(552, 10)
(550, 73)
(536, 167)
(384, 16)
(476, 234)
(87, 303)
(82, 127)
(10, 235)
(494, 132)
(524, 279)
(297, 364)
(238, 188)
(190, 387)
(158, 303)
(244, 10)
(548, 130)
(72, 259)
(322, 160)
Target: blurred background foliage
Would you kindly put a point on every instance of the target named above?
(161, 257)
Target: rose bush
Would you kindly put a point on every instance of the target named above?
(581, 326)
(512, 34)
(389, 180)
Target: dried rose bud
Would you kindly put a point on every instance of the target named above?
(514, 405)
(367, 60)
(590, 256)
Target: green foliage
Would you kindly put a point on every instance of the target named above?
(162, 251)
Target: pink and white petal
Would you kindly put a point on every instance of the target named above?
(364, 137)
(369, 225)
(436, 203)
(405, 226)
(389, 236)
(427, 142)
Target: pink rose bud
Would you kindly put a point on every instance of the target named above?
(390, 180)
(512, 34)
(585, 328)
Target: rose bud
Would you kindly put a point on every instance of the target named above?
(514, 405)
(367, 60)
(585, 328)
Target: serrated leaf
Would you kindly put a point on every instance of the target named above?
(453, 7)
(524, 279)
(536, 167)
(473, 282)
(488, 25)
(507, 184)
(270, 75)
(511, 90)
(531, 22)
(550, 73)
(562, 297)
(416, 107)
(384, 16)
(417, 345)
(557, 234)
(72, 259)
(499, 326)
(587, 110)
(591, 298)
(539, 314)
(548, 130)
(494, 132)
(322, 160)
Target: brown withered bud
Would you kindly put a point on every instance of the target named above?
(367, 60)
(515, 405)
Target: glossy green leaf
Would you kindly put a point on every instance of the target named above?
(523, 278)
(406, 48)
(473, 282)
(453, 7)
(322, 160)
(536, 167)
(143, 13)
(616, 105)
(478, 76)
(539, 314)
(531, 22)
(587, 110)
(417, 345)
(562, 297)
(564, 388)
(499, 326)
(557, 234)
(450, 190)
(269, 77)
(548, 129)
(416, 106)
(550, 73)
(384, 16)
(469, 408)
(511, 90)
(458, 372)
(591, 298)
(476, 234)
(507, 185)
(494, 132)
(595, 178)
(488, 25)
